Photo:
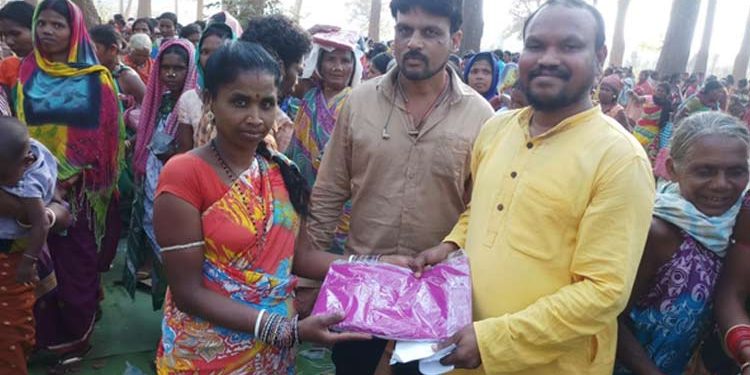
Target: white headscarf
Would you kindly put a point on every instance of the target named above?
(329, 42)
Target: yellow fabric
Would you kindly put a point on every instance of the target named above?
(555, 232)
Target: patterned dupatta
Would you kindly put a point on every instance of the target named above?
(313, 128)
(250, 235)
(72, 108)
(155, 91)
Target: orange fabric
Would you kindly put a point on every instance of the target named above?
(9, 71)
(144, 71)
(16, 317)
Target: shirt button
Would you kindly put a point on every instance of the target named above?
(513, 174)
(500, 207)
(529, 145)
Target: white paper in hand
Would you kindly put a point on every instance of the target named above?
(429, 360)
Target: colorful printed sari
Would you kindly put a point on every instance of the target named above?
(248, 258)
(313, 128)
(17, 304)
(73, 109)
(647, 128)
(674, 316)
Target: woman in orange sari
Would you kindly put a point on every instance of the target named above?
(226, 216)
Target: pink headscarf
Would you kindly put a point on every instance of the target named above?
(152, 101)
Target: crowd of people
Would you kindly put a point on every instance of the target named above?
(606, 219)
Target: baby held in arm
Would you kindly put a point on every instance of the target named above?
(28, 172)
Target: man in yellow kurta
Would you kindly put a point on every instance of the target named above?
(558, 216)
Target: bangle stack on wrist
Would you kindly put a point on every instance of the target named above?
(277, 330)
(365, 258)
(736, 339)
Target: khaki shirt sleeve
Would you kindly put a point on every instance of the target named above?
(333, 185)
(611, 237)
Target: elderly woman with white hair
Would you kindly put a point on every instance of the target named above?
(334, 65)
(139, 57)
(670, 308)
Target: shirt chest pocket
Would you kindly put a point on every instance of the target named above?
(537, 223)
(450, 157)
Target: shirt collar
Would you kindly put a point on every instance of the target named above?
(524, 120)
(457, 89)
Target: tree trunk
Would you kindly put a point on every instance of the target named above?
(618, 41)
(144, 8)
(676, 49)
(374, 30)
(701, 59)
(90, 14)
(297, 10)
(741, 62)
(127, 9)
(177, 10)
(258, 6)
(473, 26)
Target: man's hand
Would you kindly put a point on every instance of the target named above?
(466, 355)
(426, 259)
(397, 260)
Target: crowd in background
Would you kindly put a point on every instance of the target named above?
(137, 123)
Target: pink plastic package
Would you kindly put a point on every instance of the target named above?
(387, 301)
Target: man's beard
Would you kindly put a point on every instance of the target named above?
(426, 73)
(561, 99)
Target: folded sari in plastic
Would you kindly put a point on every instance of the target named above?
(387, 301)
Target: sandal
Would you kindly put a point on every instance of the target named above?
(69, 362)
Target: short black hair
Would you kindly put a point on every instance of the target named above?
(149, 23)
(711, 85)
(376, 49)
(580, 4)
(19, 12)
(280, 36)
(381, 61)
(105, 35)
(168, 16)
(14, 136)
(451, 9)
(188, 30)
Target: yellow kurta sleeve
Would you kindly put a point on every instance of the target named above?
(609, 245)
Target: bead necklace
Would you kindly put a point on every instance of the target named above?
(262, 200)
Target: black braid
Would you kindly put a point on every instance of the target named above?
(299, 193)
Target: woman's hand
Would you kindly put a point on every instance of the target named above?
(315, 329)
